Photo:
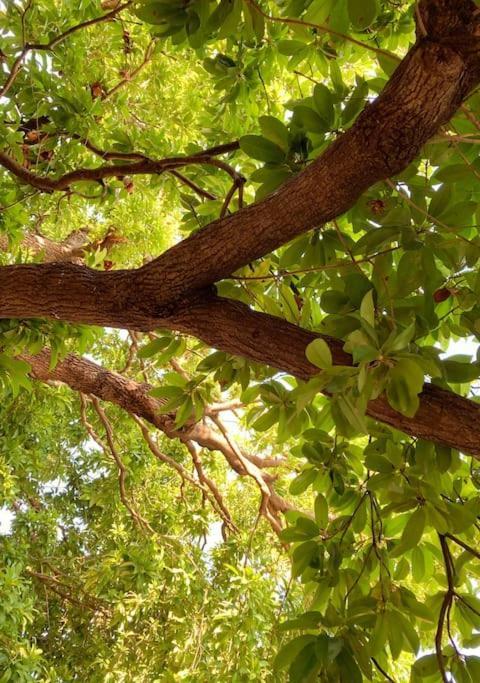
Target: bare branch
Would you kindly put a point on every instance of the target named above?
(210, 485)
(132, 74)
(122, 470)
(206, 486)
(144, 166)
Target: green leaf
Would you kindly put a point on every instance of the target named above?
(362, 13)
(274, 130)
(302, 482)
(355, 103)
(305, 665)
(426, 666)
(290, 651)
(321, 511)
(367, 308)
(460, 372)
(220, 14)
(409, 273)
(319, 354)
(405, 382)
(334, 301)
(323, 103)
(414, 529)
(378, 463)
(262, 149)
(302, 557)
(155, 12)
(156, 346)
(267, 420)
(308, 118)
(398, 341)
(184, 412)
(349, 671)
(473, 665)
(379, 635)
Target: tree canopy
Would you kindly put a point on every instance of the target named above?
(239, 322)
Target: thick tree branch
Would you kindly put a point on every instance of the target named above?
(424, 92)
(171, 291)
(443, 417)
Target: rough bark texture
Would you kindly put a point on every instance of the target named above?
(443, 417)
(87, 377)
(71, 250)
(174, 290)
(424, 92)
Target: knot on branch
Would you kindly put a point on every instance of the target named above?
(187, 300)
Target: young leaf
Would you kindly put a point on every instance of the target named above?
(319, 354)
(413, 530)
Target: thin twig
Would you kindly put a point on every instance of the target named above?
(382, 671)
(320, 27)
(464, 545)
(52, 44)
(132, 74)
(445, 607)
(122, 471)
(253, 471)
(145, 166)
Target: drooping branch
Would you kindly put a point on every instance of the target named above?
(110, 449)
(87, 377)
(204, 483)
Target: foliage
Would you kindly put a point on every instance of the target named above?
(382, 528)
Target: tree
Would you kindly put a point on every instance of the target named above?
(276, 203)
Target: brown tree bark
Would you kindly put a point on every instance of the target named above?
(443, 417)
(172, 291)
(71, 250)
(87, 377)
(424, 92)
